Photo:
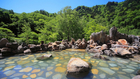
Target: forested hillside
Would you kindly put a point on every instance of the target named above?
(67, 23)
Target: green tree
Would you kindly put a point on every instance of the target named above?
(26, 33)
(69, 24)
(91, 27)
(6, 33)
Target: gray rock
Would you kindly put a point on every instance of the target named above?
(13, 45)
(62, 47)
(27, 51)
(98, 55)
(48, 55)
(20, 49)
(104, 47)
(108, 52)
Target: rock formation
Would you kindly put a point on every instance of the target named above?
(99, 37)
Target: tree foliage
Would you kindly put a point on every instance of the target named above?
(67, 23)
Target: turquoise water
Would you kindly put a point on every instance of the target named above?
(28, 67)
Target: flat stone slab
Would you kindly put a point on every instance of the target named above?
(107, 70)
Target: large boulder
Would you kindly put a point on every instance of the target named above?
(77, 67)
(121, 52)
(6, 51)
(122, 42)
(13, 45)
(3, 42)
(100, 37)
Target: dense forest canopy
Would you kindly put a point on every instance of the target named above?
(67, 23)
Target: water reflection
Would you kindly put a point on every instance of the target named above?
(18, 67)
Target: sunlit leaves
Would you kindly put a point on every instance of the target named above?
(6, 33)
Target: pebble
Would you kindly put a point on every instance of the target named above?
(26, 69)
(57, 76)
(24, 76)
(103, 64)
(112, 65)
(48, 74)
(49, 68)
(40, 73)
(9, 67)
(60, 69)
(33, 76)
(94, 71)
(35, 70)
(10, 72)
(102, 75)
